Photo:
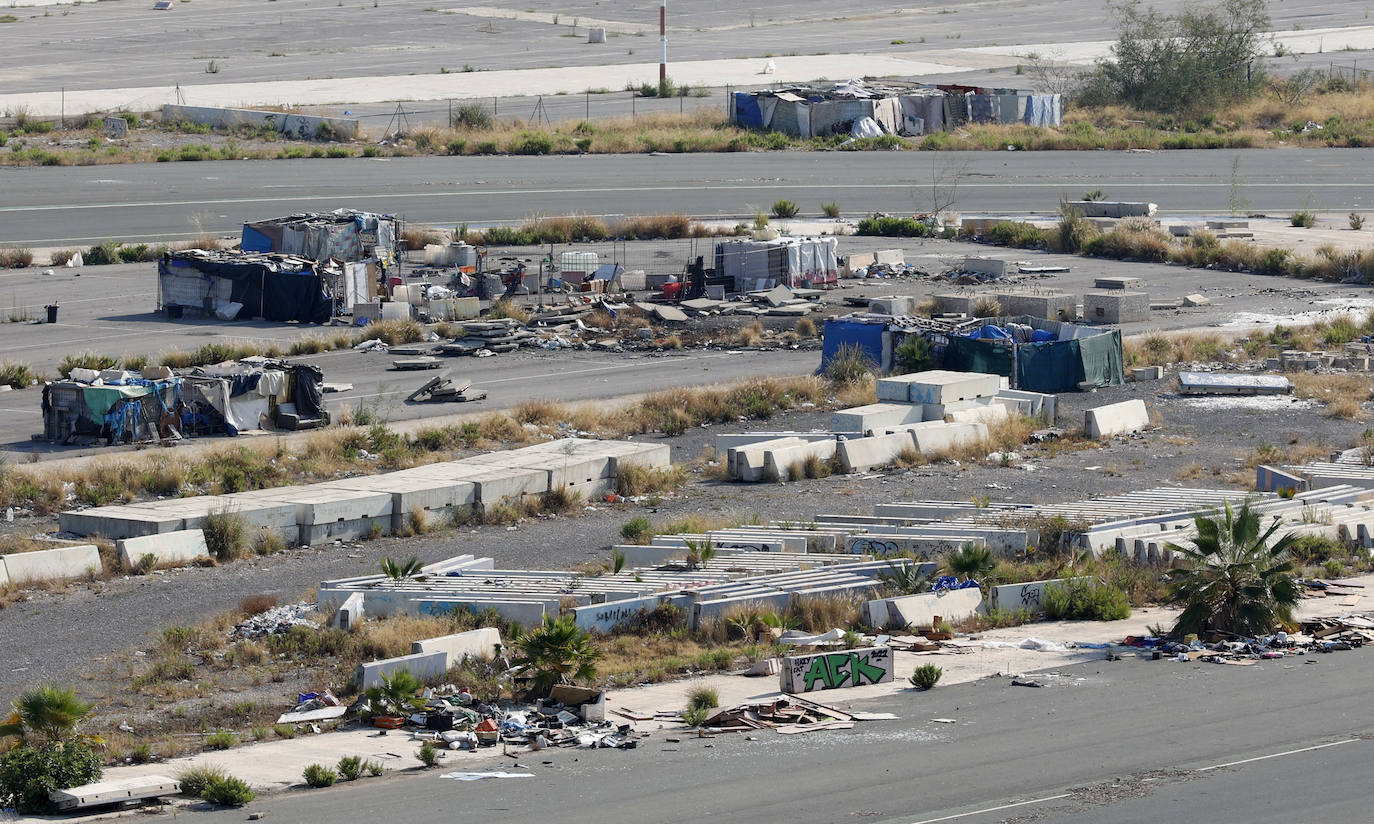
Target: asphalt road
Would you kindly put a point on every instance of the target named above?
(71, 206)
(1103, 742)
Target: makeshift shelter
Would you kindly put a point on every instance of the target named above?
(343, 234)
(1039, 355)
(227, 399)
(755, 265)
(234, 285)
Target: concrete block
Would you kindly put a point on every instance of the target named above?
(863, 454)
(933, 440)
(1116, 307)
(921, 610)
(985, 266)
(493, 484)
(50, 564)
(475, 643)
(350, 612)
(328, 513)
(705, 611)
(874, 416)
(923, 547)
(958, 303)
(1028, 595)
(944, 387)
(1147, 373)
(1041, 403)
(1196, 300)
(779, 464)
(746, 463)
(889, 257)
(1051, 305)
(725, 441)
(1116, 419)
(117, 522)
(575, 472)
(182, 547)
(1273, 479)
(1108, 208)
(836, 670)
(990, 413)
(425, 666)
(1122, 283)
(892, 305)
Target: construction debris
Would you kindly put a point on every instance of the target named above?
(444, 389)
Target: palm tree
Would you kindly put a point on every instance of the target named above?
(45, 713)
(559, 652)
(396, 694)
(1238, 579)
(970, 561)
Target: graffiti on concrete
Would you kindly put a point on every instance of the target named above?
(835, 670)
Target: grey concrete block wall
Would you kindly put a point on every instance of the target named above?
(1116, 307)
(1052, 305)
(303, 127)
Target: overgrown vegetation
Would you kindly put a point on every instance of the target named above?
(1082, 601)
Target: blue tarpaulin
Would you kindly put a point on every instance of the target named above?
(848, 333)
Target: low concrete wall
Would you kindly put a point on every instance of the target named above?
(606, 617)
(50, 564)
(424, 666)
(921, 610)
(299, 126)
(863, 454)
(1029, 595)
(475, 643)
(181, 547)
(836, 670)
(778, 464)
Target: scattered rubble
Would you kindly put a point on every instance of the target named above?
(276, 620)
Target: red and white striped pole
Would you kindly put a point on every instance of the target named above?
(662, 41)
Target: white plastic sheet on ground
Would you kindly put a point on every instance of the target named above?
(1037, 644)
(478, 776)
(866, 127)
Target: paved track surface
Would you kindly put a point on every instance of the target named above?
(81, 205)
(1104, 742)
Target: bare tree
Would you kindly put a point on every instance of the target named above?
(944, 186)
(1050, 74)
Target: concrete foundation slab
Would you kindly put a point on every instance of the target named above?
(945, 387)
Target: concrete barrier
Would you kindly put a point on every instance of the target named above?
(349, 614)
(1040, 403)
(836, 670)
(921, 610)
(1273, 479)
(933, 440)
(1116, 419)
(299, 126)
(183, 547)
(606, 617)
(437, 498)
(745, 463)
(50, 564)
(987, 413)
(475, 643)
(1111, 208)
(1029, 595)
(525, 612)
(863, 454)
(779, 464)
(425, 666)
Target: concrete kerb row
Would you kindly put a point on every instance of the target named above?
(387, 503)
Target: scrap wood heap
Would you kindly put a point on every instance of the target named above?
(786, 715)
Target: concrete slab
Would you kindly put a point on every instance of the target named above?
(58, 564)
(526, 613)
(181, 547)
(425, 666)
(117, 522)
(493, 484)
(1040, 403)
(607, 616)
(439, 500)
(1116, 419)
(923, 609)
(941, 386)
(475, 643)
(746, 463)
(1028, 595)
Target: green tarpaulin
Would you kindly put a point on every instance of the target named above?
(988, 357)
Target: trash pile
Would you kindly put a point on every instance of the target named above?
(1320, 636)
(275, 621)
(569, 717)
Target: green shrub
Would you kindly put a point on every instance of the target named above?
(1303, 219)
(85, 360)
(318, 775)
(227, 791)
(102, 254)
(914, 355)
(17, 375)
(194, 780)
(695, 716)
(887, 226)
(637, 530)
(1018, 234)
(221, 740)
(473, 116)
(926, 676)
(785, 208)
(374, 768)
(28, 774)
(338, 151)
(1080, 601)
(703, 698)
(350, 767)
(285, 731)
(226, 534)
(849, 366)
(428, 754)
(831, 210)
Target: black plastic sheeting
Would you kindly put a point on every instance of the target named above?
(268, 294)
(309, 391)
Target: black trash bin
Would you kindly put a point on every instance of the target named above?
(52, 312)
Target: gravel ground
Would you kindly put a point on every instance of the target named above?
(89, 631)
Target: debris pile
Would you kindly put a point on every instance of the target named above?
(785, 715)
(275, 621)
